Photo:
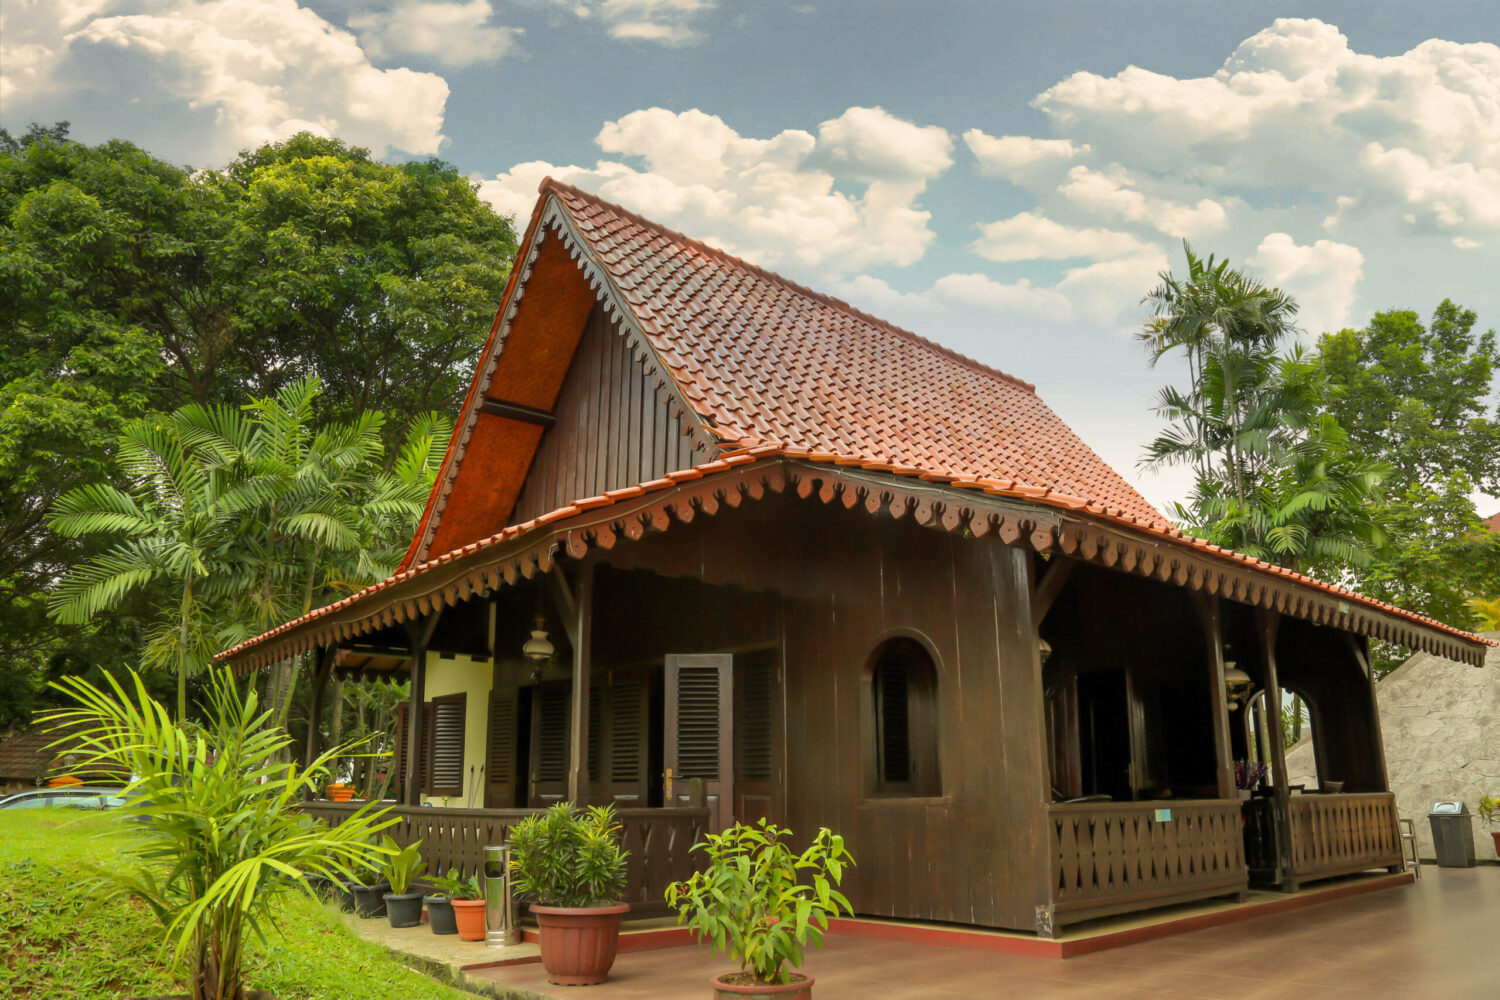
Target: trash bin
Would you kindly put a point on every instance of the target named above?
(500, 930)
(1452, 834)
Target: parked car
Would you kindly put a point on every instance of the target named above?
(76, 797)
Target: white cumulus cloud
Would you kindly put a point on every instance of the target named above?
(831, 203)
(672, 23)
(213, 76)
(1028, 236)
(451, 33)
(1020, 157)
(1321, 276)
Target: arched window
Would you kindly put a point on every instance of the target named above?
(902, 746)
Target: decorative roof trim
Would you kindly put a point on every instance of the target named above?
(1014, 514)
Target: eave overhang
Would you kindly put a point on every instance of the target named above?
(1013, 513)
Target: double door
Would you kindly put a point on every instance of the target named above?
(700, 725)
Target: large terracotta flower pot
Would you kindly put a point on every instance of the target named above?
(579, 942)
(800, 988)
(1495, 835)
(469, 915)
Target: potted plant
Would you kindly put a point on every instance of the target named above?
(340, 792)
(1489, 811)
(445, 889)
(403, 908)
(762, 904)
(569, 861)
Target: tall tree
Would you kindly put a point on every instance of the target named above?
(1272, 478)
(1423, 399)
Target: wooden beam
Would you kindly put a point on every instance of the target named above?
(578, 761)
(1210, 616)
(1269, 623)
(324, 669)
(516, 411)
(564, 602)
(419, 632)
(1059, 568)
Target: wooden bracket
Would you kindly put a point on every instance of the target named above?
(1059, 568)
(516, 411)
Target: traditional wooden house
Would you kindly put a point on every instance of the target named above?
(704, 532)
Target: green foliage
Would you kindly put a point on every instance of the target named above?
(752, 903)
(1489, 809)
(1422, 400)
(220, 833)
(135, 286)
(64, 941)
(455, 887)
(1488, 612)
(404, 866)
(1273, 477)
(568, 857)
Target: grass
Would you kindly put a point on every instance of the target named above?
(62, 943)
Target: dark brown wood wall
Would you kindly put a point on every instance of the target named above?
(841, 583)
(612, 429)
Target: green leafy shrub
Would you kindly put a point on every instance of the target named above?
(455, 887)
(404, 866)
(1489, 809)
(568, 857)
(221, 834)
(751, 901)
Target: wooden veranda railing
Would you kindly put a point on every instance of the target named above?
(659, 841)
(1340, 834)
(1114, 857)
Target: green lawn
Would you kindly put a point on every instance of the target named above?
(61, 943)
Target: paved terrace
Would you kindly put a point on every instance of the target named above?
(1429, 941)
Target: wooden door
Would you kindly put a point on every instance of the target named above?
(500, 777)
(618, 731)
(549, 744)
(699, 732)
(754, 735)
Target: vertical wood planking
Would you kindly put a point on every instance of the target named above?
(612, 428)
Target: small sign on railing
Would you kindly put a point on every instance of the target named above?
(1164, 815)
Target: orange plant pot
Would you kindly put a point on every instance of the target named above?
(340, 793)
(579, 942)
(469, 915)
(800, 988)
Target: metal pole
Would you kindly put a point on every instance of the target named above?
(500, 929)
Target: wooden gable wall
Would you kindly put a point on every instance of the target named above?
(614, 428)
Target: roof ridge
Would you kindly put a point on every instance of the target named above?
(550, 183)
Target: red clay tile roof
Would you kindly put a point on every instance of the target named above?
(1492, 522)
(24, 754)
(766, 361)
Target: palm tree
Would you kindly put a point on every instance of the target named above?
(1489, 613)
(177, 515)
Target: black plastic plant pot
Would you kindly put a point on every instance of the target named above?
(403, 909)
(343, 891)
(369, 900)
(440, 914)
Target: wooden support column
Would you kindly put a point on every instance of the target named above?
(1210, 615)
(1269, 625)
(419, 633)
(1360, 648)
(582, 637)
(321, 674)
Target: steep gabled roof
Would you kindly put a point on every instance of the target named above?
(761, 360)
(1492, 522)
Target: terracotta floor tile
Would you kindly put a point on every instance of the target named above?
(1429, 941)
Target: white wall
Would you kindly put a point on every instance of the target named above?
(471, 676)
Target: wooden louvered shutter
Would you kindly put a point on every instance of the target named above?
(549, 744)
(445, 747)
(397, 785)
(500, 761)
(596, 734)
(626, 764)
(893, 710)
(754, 735)
(700, 730)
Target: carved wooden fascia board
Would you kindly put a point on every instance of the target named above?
(655, 507)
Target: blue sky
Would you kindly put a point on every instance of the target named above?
(1005, 178)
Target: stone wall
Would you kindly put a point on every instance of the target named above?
(1441, 723)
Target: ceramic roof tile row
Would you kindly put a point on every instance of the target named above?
(767, 361)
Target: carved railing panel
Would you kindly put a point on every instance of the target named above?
(1108, 853)
(1339, 834)
(659, 841)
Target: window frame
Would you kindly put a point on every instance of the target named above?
(924, 782)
